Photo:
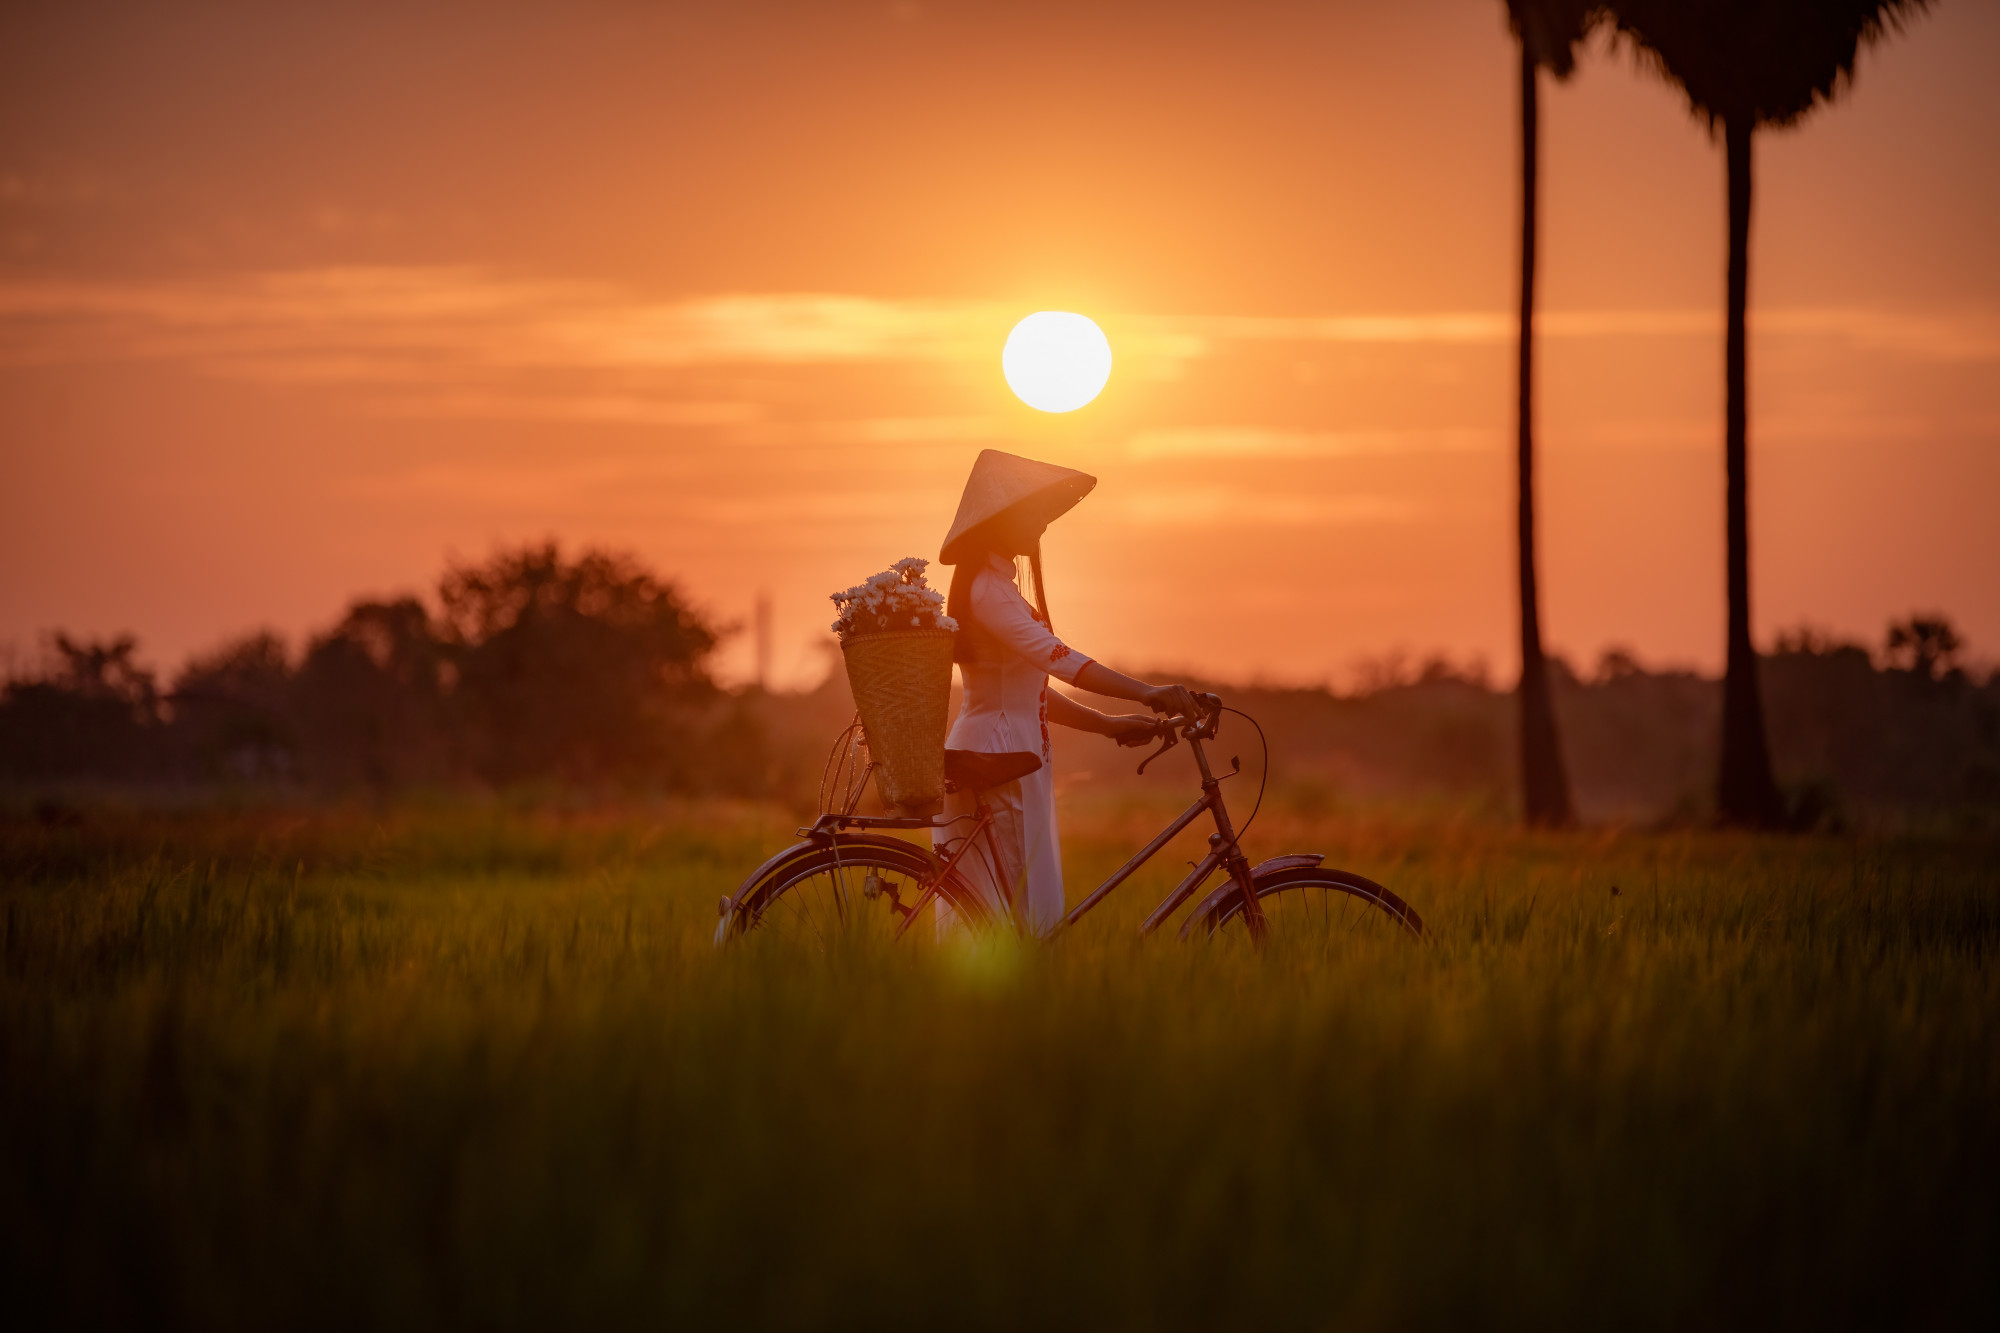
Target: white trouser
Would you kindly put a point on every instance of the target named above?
(1023, 836)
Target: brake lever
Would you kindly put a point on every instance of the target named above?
(1173, 739)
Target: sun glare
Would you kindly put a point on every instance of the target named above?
(1055, 361)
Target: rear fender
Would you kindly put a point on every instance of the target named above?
(818, 843)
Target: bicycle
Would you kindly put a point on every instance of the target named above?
(851, 873)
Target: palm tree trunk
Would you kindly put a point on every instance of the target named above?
(1544, 785)
(1746, 792)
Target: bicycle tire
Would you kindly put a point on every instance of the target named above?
(1302, 901)
(820, 895)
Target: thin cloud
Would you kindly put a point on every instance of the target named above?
(1947, 336)
(1259, 442)
(463, 328)
(905, 430)
(1212, 507)
(476, 320)
(1955, 336)
(1465, 327)
(627, 408)
(1775, 428)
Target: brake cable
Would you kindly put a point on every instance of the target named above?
(1264, 778)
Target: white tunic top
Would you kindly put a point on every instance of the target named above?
(1006, 704)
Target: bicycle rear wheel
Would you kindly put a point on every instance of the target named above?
(1312, 902)
(844, 893)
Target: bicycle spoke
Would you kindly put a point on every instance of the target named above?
(819, 909)
(793, 914)
(805, 900)
(840, 894)
(825, 899)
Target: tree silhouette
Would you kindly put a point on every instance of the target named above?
(1745, 64)
(92, 712)
(1549, 32)
(370, 698)
(580, 669)
(232, 705)
(1924, 645)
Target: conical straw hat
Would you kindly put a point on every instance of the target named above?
(1003, 483)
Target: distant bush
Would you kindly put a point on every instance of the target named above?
(371, 699)
(233, 712)
(538, 667)
(90, 712)
(586, 671)
(1919, 734)
(1847, 734)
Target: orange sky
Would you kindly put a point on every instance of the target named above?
(294, 305)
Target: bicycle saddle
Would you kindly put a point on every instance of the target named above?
(973, 770)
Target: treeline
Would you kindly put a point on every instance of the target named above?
(1853, 733)
(592, 672)
(533, 667)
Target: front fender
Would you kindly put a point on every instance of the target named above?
(1291, 862)
(1268, 881)
(1259, 874)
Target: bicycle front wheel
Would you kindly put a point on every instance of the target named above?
(843, 893)
(1314, 903)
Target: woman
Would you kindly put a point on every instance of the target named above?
(1006, 653)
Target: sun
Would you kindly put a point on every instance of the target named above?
(1055, 361)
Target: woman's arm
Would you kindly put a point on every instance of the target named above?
(1101, 679)
(1004, 613)
(1067, 712)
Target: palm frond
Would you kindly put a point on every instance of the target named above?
(1768, 62)
(1551, 30)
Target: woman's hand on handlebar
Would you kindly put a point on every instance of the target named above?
(1173, 700)
(1132, 728)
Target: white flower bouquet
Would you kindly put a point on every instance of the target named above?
(897, 642)
(897, 598)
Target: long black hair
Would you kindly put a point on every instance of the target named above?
(958, 602)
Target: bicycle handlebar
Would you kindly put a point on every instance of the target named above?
(1211, 709)
(1183, 726)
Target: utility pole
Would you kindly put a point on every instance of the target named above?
(764, 642)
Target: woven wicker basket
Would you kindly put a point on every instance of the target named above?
(902, 686)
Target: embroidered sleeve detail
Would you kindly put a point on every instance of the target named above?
(1069, 668)
(1059, 652)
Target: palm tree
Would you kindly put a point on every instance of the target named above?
(1745, 64)
(1549, 32)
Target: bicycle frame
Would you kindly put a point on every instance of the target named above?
(1224, 853)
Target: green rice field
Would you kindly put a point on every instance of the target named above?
(480, 1065)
